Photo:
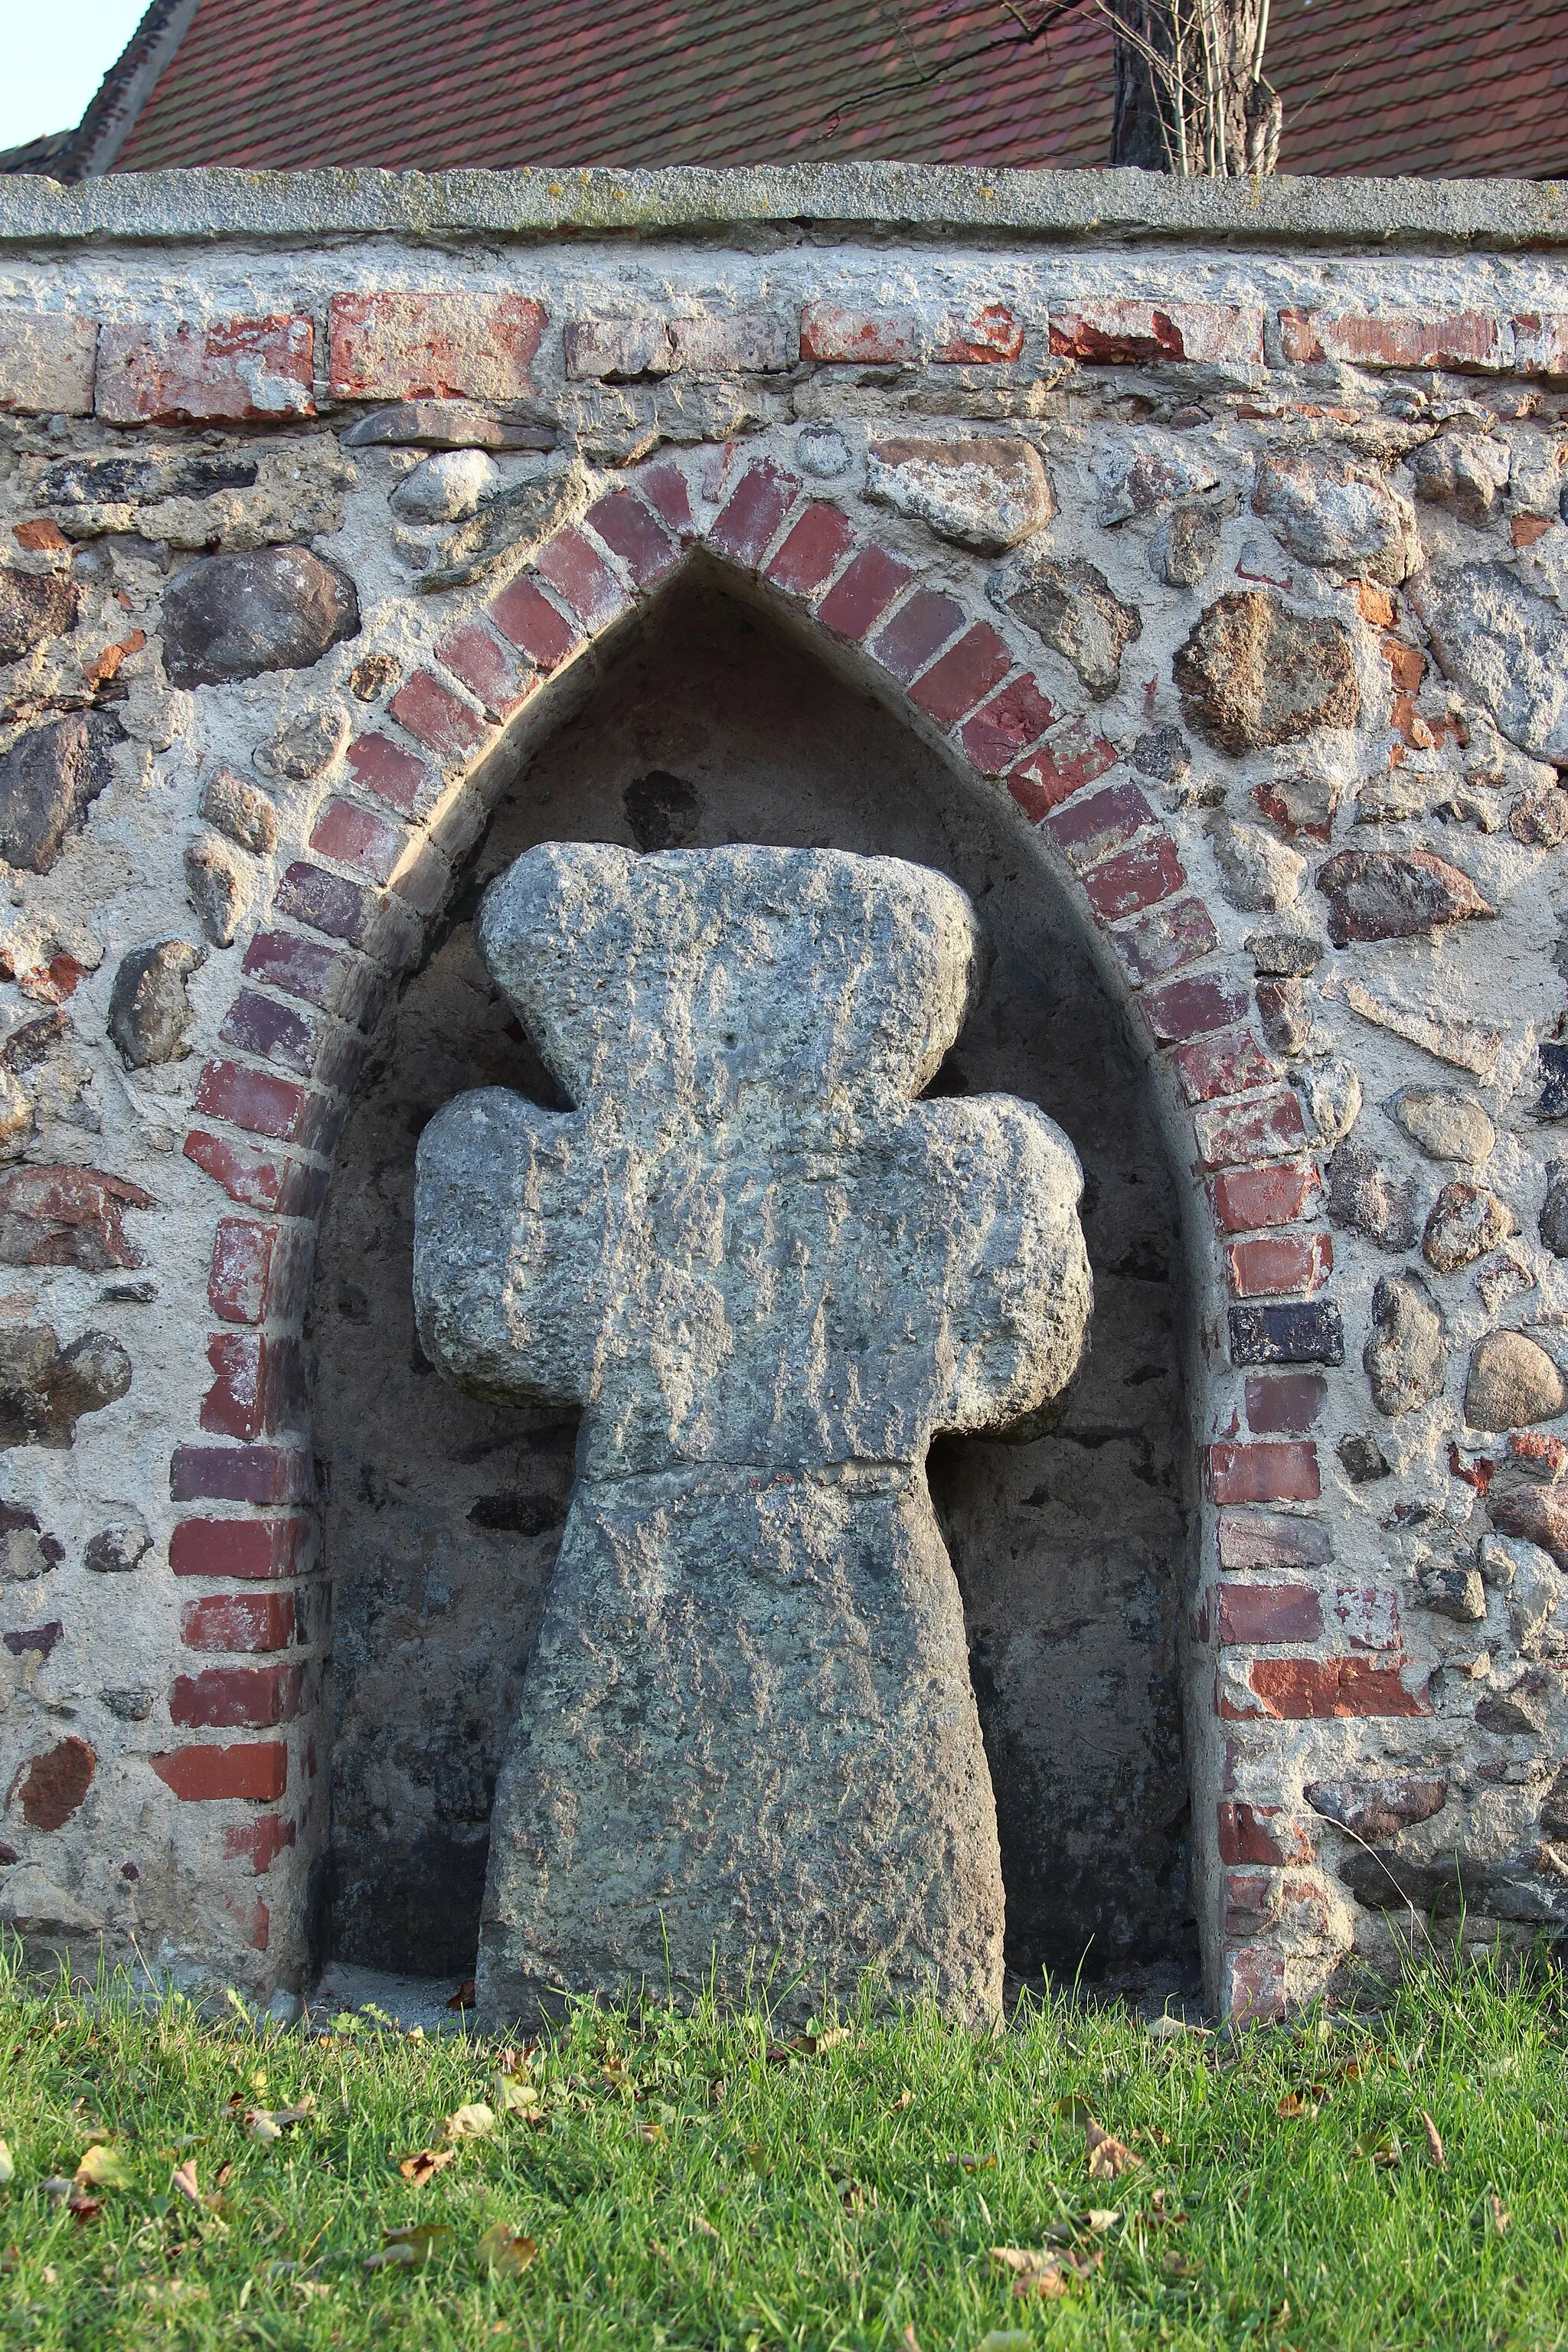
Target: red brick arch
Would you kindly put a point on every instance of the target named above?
(347, 919)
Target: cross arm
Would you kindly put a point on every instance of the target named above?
(509, 1230)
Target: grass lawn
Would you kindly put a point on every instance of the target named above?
(653, 2179)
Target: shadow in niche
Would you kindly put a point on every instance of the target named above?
(445, 1513)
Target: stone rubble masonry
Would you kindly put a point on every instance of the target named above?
(356, 880)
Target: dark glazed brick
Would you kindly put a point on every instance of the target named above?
(1091, 829)
(1150, 870)
(300, 968)
(814, 549)
(758, 505)
(239, 1473)
(324, 902)
(254, 1025)
(917, 631)
(1310, 1333)
(631, 531)
(965, 672)
(857, 599)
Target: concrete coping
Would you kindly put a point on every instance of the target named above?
(925, 202)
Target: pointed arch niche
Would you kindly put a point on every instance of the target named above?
(716, 714)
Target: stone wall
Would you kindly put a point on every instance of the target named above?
(1190, 594)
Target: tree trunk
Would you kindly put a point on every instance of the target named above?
(1190, 95)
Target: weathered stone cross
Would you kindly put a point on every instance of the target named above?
(767, 1273)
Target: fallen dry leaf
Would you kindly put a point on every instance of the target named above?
(1501, 2217)
(651, 2133)
(475, 2121)
(185, 2181)
(513, 2095)
(1434, 2142)
(505, 2253)
(270, 2124)
(905, 2099)
(466, 1996)
(699, 2221)
(410, 2246)
(973, 2163)
(1107, 2157)
(1381, 2146)
(1034, 2272)
(102, 2168)
(425, 2161)
(1293, 2105)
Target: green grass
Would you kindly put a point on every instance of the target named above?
(685, 2187)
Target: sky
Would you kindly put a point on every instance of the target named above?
(55, 53)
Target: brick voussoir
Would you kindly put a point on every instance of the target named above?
(478, 659)
(633, 539)
(752, 519)
(584, 579)
(1228, 1063)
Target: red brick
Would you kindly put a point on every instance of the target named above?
(965, 673)
(991, 333)
(1231, 1062)
(68, 1217)
(1305, 1690)
(917, 631)
(1246, 1199)
(40, 536)
(254, 1099)
(238, 1622)
(1252, 1902)
(1191, 1008)
(254, 1025)
(258, 1842)
(1228, 1136)
(239, 1473)
(355, 836)
(1249, 1613)
(1090, 830)
(1288, 1405)
(1071, 756)
(242, 371)
(632, 531)
(1264, 1474)
(433, 346)
(256, 1770)
(432, 713)
(382, 767)
(527, 618)
(289, 1187)
(1007, 725)
(1253, 1989)
(665, 488)
(241, 1269)
(1150, 870)
(1261, 1835)
(1128, 333)
(245, 1550)
(862, 593)
(1280, 1265)
(866, 337)
(487, 668)
(236, 1698)
(813, 550)
(1460, 339)
(579, 574)
(757, 506)
(259, 1389)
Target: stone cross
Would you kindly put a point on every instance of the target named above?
(767, 1272)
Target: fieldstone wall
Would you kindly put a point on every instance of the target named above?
(1212, 578)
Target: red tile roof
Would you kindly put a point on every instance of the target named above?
(1388, 87)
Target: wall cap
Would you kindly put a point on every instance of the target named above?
(926, 201)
